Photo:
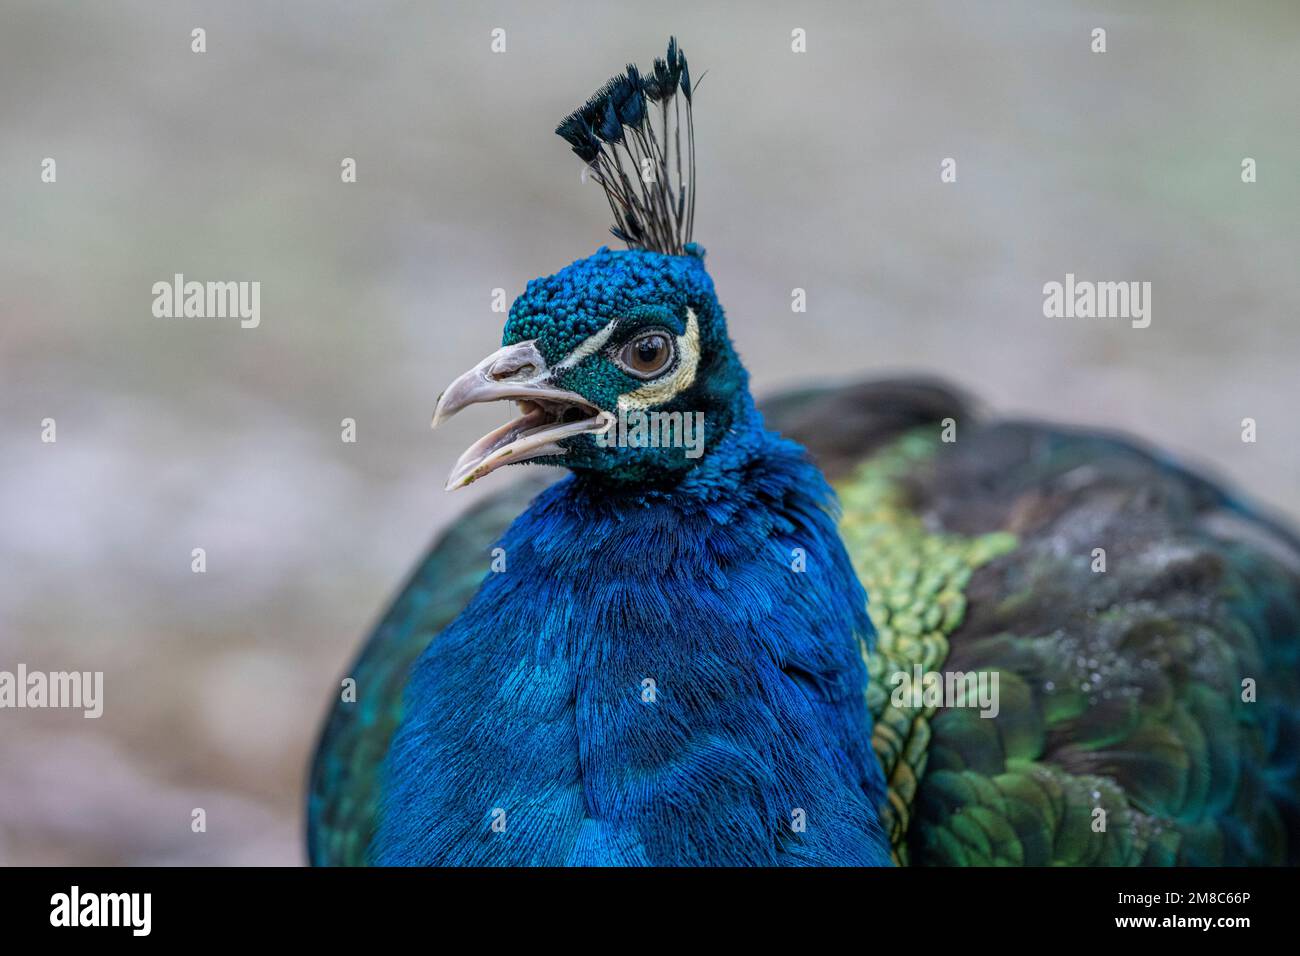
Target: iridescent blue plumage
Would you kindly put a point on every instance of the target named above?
(666, 664)
(533, 705)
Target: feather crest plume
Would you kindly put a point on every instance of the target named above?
(637, 136)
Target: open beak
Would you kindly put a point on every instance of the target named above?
(516, 373)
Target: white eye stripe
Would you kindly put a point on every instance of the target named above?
(590, 346)
(682, 377)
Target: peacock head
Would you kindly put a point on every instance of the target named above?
(620, 363)
(621, 367)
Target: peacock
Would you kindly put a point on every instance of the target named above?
(1075, 651)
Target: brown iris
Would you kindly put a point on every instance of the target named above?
(647, 355)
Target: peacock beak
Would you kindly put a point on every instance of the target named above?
(516, 373)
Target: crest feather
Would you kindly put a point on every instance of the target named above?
(638, 138)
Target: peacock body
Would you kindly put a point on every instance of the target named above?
(669, 658)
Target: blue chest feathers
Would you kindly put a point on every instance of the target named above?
(662, 679)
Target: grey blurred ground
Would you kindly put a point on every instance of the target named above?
(818, 171)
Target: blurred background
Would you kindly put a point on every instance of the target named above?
(817, 170)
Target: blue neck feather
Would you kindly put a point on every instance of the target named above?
(532, 711)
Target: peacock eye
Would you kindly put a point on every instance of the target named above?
(647, 355)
